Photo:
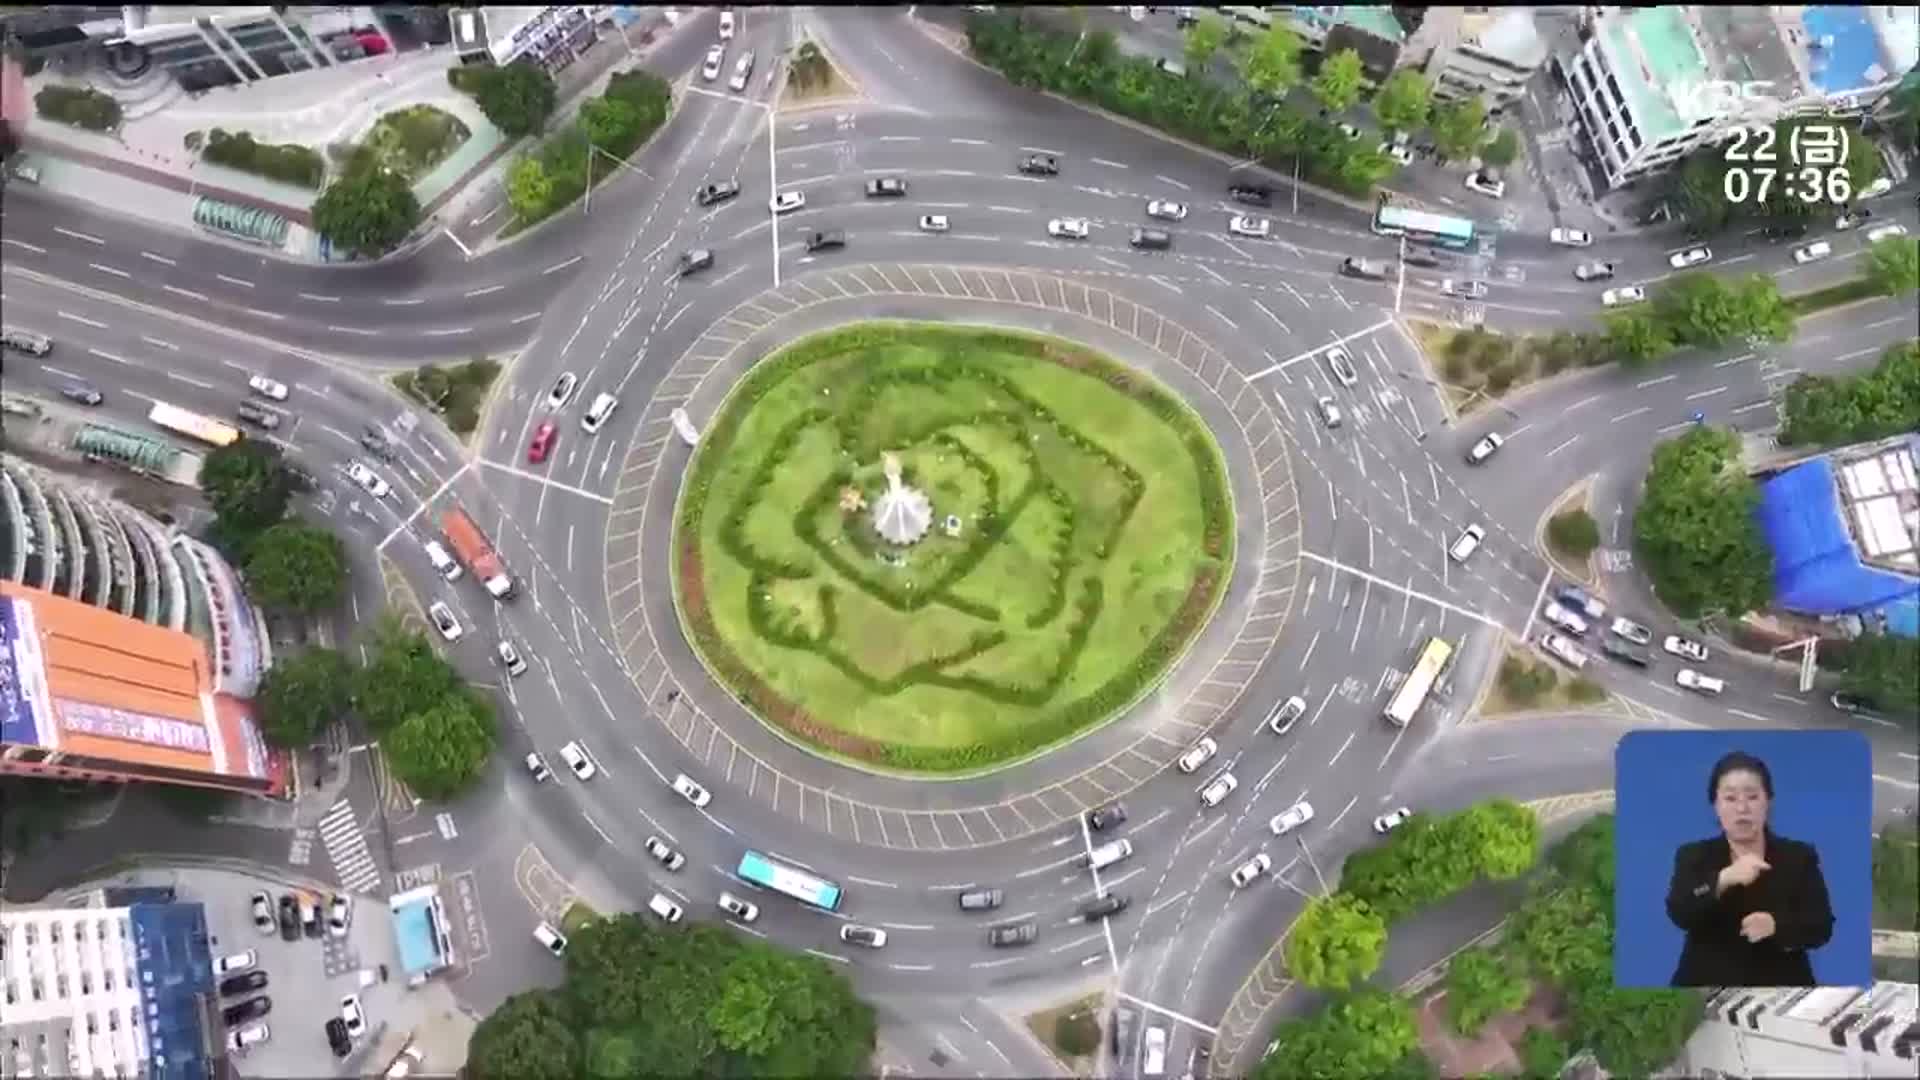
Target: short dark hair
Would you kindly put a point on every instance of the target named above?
(1739, 761)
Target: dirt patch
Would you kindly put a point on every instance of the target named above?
(1562, 695)
(1496, 1049)
(1054, 1028)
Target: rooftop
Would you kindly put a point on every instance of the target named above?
(1375, 19)
(1844, 51)
(1509, 34)
(419, 931)
(1881, 495)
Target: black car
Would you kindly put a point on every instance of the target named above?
(250, 1009)
(1625, 653)
(1040, 165)
(244, 983)
(1793, 231)
(337, 1038)
(1001, 937)
(825, 239)
(1424, 257)
(1105, 907)
(85, 395)
(981, 899)
(1251, 194)
(887, 187)
(376, 444)
(289, 919)
(257, 416)
(1123, 1031)
(692, 262)
(1106, 817)
(717, 193)
(298, 478)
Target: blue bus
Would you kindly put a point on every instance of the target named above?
(757, 869)
(1421, 226)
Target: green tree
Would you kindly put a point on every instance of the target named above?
(529, 188)
(1699, 191)
(613, 122)
(1203, 42)
(1706, 310)
(368, 210)
(1369, 1033)
(1078, 1033)
(297, 567)
(517, 98)
(1574, 532)
(1885, 670)
(1695, 532)
(1365, 168)
(1904, 125)
(302, 693)
(440, 751)
(1336, 941)
(1566, 935)
(1543, 1054)
(1338, 83)
(1459, 126)
(1896, 877)
(1637, 337)
(1482, 983)
(1826, 410)
(403, 676)
(248, 486)
(1403, 101)
(1271, 65)
(529, 1037)
(1503, 836)
(1893, 264)
(1502, 151)
(1584, 857)
(1635, 1032)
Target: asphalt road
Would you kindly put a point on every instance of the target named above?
(1358, 574)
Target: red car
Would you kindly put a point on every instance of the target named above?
(542, 443)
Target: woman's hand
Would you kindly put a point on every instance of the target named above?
(1757, 927)
(1745, 869)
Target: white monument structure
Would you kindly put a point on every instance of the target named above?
(902, 514)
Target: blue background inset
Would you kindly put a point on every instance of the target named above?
(1822, 795)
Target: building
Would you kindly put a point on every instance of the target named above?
(420, 933)
(550, 38)
(1651, 85)
(1845, 532)
(1490, 52)
(120, 986)
(1371, 30)
(1806, 1031)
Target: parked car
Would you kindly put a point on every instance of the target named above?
(577, 760)
(1068, 228)
(1198, 754)
(1399, 152)
(1291, 818)
(1352, 133)
(235, 962)
(1254, 228)
(261, 906)
(244, 983)
(1626, 294)
(1247, 872)
(1571, 237)
(250, 1009)
(1391, 820)
(1693, 256)
(240, 1040)
(1106, 817)
(663, 854)
(1688, 650)
(1341, 365)
(710, 194)
(1166, 210)
(1040, 165)
(1489, 445)
(289, 918)
(337, 1038)
(1286, 714)
(339, 915)
(1699, 683)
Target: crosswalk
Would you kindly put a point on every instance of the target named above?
(347, 847)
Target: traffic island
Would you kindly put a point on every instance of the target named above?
(454, 394)
(813, 80)
(1526, 685)
(1476, 367)
(1567, 535)
(1071, 1033)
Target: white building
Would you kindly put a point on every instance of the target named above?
(1808, 1031)
(547, 36)
(1651, 85)
(1491, 52)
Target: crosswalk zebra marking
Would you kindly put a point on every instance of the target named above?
(347, 849)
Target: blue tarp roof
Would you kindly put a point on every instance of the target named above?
(413, 933)
(176, 969)
(1815, 568)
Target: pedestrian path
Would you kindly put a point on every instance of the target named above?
(347, 848)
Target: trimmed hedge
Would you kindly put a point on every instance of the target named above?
(1147, 670)
(289, 163)
(80, 106)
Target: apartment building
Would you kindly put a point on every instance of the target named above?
(1806, 1031)
(1487, 51)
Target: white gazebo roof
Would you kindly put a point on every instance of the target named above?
(901, 515)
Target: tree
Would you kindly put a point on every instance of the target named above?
(1584, 857)
(1905, 123)
(1204, 40)
(1403, 101)
(1336, 941)
(1272, 63)
(529, 1037)
(1077, 1033)
(302, 693)
(529, 188)
(441, 750)
(1636, 337)
(369, 210)
(1706, 310)
(297, 567)
(1896, 876)
(1503, 836)
(1459, 126)
(517, 99)
(1482, 983)
(1543, 1055)
(1827, 410)
(1340, 79)
(1699, 191)
(611, 122)
(1695, 532)
(1362, 169)
(1635, 1032)
(1504, 148)
(1885, 670)
(1368, 1033)
(248, 487)
(1574, 532)
(1893, 264)
(403, 676)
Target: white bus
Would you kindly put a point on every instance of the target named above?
(1413, 690)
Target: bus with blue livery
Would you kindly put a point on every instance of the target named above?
(758, 869)
(1423, 227)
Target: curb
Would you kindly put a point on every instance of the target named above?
(1583, 488)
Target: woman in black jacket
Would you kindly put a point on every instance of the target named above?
(1751, 903)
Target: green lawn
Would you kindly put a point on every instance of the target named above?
(413, 141)
(1095, 539)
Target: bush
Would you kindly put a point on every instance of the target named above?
(1077, 1034)
(1525, 682)
(1824, 410)
(289, 163)
(1574, 533)
(1586, 691)
(617, 123)
(82, 107)
(455, 394)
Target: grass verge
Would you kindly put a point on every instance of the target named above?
(577, 916)
(1477, 367)
(1071, 1031)
(1526, 683)
(414, 141)
(1832, 296)
(452, 393)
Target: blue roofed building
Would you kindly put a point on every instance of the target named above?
(1845, 532)
(421, 934)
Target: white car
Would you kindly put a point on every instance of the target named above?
(1391, 820)
(726, 26)
(1489, 444)
(1198, 754)
(1813, 252)
(577, 760)
(1467, 544)
(352, 1015)
(537, 765)
(1068, 228)
(1593, 271)
(1880, 186)
(1166, 210)
(339, 916)
(871, 936)
(1217, 789)
(743, 910)
(1704, 684)
(787, 201)
(1399, 152)
(1255, 228)
(934, 223)
(1693, 256)
(1291, 818)
(1341, 365)
(1681, 647)
(716, 57)
(365, 477)
(266, 387)
(1882, 232)
(665, 855)
(1632, 631)
(1247, 872)
(665, 908)
(1352, 133)
(554, 941)
(1329, 412)
(562, 391)
(1626, 294)
(249, 1036)
(1564, 619)
(510, 659)
(1571, 237)
(237, 962)
(443, 620)
(1564, 650)
(263, 920)
(1286, 714)
(1470, 290)
(691, 791)
(1493, 189)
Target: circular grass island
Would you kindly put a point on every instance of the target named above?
(939, 549)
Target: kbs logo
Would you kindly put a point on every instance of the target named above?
(1723, 99)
